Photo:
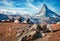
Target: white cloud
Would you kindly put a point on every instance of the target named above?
(31, 5)
(14, 11)
(31, 8)
(6, 3)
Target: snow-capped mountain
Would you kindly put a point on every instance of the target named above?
(46, 15)
(47, 12)
(3, 17)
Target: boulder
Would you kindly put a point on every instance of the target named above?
(58, 22)
(33, 27)
(16, 21)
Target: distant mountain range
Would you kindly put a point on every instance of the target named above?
(3, 17)
(45, 15)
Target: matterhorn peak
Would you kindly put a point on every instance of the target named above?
(46, 14)
(44, 5)
(44, 8)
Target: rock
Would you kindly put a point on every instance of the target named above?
(24, 38)
(43, 34)
(32, 33)
(58, 23)
(24, 22)
(49, 27)
(35, 34)
(16, 21)
(33, 27)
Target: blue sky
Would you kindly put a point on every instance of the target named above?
(28, 6)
